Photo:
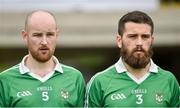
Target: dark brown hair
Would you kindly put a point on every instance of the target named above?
(136, 17)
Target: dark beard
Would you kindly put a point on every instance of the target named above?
(136, 62)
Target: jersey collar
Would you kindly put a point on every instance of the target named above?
(24, 69)
(121, 68)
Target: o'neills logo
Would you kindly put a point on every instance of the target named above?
(118, 96)
(23, 93)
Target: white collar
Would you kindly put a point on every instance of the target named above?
(24, 69)
(121, 68)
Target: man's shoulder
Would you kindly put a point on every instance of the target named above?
(105, 74)
(165, 73)
(10, 70)
(103, 78)
(69, 69)
(6, 74)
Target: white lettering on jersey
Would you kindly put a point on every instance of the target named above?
(45, 92)
(45, 96)
(139, 94)
(118, 96)
(44, 88)
(139, 91)
(24, 93)
(139, 99)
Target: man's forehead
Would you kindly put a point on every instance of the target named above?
(40, 16)
(42, 19)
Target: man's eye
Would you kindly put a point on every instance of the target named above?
(145, 36)
(50, 34)
(132, 36)
(37, 35)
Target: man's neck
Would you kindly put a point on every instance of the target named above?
(138, 73)
(39, 68)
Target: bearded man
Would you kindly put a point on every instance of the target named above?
(40, 80)
(135, 80)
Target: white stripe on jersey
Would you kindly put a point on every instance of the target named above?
(90, 83)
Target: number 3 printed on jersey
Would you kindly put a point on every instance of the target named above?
(139, 99)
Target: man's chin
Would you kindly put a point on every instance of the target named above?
(139, 56)
(43, 59)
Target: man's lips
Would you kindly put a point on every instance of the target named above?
(138, 52)
(44, 50)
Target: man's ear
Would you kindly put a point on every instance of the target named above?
(24, 35)
(57, 32)
(119, 41)
(152, 38)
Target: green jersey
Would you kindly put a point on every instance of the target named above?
(19, 88)
(115, 87)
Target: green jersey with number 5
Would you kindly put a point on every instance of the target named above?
(62, 89)
(115, 87)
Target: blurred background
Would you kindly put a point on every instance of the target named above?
(88, 30)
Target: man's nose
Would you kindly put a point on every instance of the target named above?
(139, 41)
(44, 40)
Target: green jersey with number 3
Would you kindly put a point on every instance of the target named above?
(115, 87)
(60, 90)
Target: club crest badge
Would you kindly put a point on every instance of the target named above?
(159, 97)
(64, 94)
